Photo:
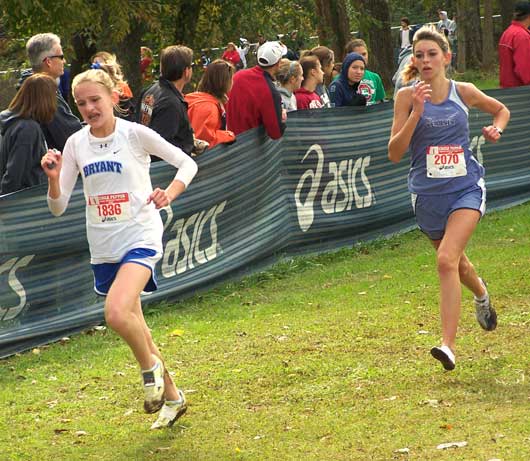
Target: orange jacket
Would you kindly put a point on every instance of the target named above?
(205, 114)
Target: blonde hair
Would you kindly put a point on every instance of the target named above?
(94, 76)
(287, 70)
(109, 64)
(410, 72)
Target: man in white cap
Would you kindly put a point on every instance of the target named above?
(254, 99)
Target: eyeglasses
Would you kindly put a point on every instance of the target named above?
(60, 56)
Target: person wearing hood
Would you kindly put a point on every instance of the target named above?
(444, 24)
(289, 79)
(371, 84)
(345, 90)
(22, 142)
(46, 56)
(206, 106)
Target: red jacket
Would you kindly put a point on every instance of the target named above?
(231, 56)
(205, 114)
(255, 101)
(307, 99)
(514, 56)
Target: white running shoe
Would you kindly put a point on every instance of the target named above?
(171, 411)
(484, 312)
(445, 355)
(154, 387)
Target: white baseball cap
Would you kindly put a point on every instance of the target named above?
(270, 53)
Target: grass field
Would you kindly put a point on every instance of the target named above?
(320, 358)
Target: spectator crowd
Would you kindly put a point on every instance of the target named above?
(229, 99)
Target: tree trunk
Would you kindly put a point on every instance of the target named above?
(84, 49)
(375, 27)
(186, 25)
(507, 7)
(461, 36)
(129, 55)
(474, 36)
(488, 47)
(333, 25)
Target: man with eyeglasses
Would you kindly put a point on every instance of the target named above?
(46, 56)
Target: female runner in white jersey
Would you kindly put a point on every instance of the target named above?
(124, 227)
(445, 179)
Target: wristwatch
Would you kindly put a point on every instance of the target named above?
(498, 130)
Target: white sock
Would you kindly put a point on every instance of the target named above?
(485, 296)
(153, 368)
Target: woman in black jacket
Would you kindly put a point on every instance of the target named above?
(22, 142)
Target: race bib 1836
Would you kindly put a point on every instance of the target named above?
(109, 208)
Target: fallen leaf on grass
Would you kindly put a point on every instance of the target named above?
(402, 450)
(445, 446)
(389, 399)
(361, 293)
(66, 420)
(446, 426)
(176, 332)
(81, 433)
(35, 351)
(258, 437)
(386, 276)
(430, 402)
(128, 412)
(423, 332)
(60, 431)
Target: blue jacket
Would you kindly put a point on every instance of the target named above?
(341, 92)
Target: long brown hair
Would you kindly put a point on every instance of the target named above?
(217, 79)
(36, 99)
(425, 33)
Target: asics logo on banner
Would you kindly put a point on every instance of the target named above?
(339, 194)
(15, 294)
(104, 166)
(193, 241)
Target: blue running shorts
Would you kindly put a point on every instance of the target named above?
(432, 211)
(105, 273)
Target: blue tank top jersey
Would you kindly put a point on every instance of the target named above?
(442, 134)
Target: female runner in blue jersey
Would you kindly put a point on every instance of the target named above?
(124, 227)
(445, 179)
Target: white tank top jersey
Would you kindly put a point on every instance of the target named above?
(116, 184)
